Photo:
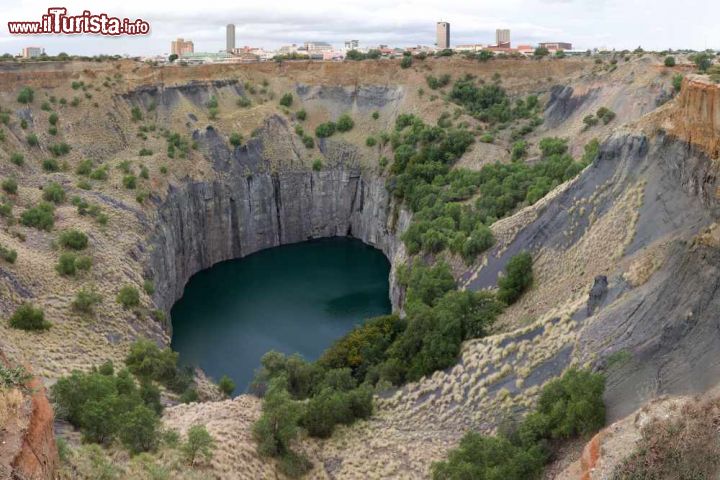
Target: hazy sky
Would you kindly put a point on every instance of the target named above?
(657, 24)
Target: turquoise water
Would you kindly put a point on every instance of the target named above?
(294, 298)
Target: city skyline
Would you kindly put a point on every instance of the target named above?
(607, 23)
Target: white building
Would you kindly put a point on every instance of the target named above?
(32, 52)
(318, 47)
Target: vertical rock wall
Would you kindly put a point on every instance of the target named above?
(202, 223)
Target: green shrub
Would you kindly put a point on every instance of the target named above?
(286, 100)
(364, 346)
(144, 172)
(105, 407)
(9, 185)
(243, 102)
(226, 385)
(677, 82)
(519, 150)
(32, 140)
(308, 141)
(53, 118)
(100, 173)
(67, 264)
(277, 427)
(605, 114)
(26, 95)
(236, 139)
(438, 82)
(569, 406)
(40, 216)
(317, 165)
(375, 115)
(128, 297)
(86, 300)
(136, 114)
(325, 129)
(148, 362)
(590, 121)
(702, 60)
(550, 146)
(331, 407)
(129, 182)
(59, 149)
(139, 429)
(370, 141)
(145, 152)
(73, 239)
(189, 396)
(125, 166)
(487, 138)
(426, 284)
(53, 192)
(482, 456)
(669, 61)
(518, 278)
(27, 317)
(479, 240)
(406, 62)
(84, 168)
(51, 165)
(591, 150)
(344, 123)
(199, 445)
(8, 254)
(83, 262)
(301, 115)
(6, 211)
(17, 158)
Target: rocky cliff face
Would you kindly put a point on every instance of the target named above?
(695, 117)
(252, 205)
(27, 441)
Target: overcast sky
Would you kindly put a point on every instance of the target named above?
(657, 24)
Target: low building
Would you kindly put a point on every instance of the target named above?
(471, 47)
(352, 44)
(209, 57)
(555, 46)
(526, 49)
(181, 47)
(32, 52)
(318, 47)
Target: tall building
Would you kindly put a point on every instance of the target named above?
(180, 46)
(230, 37)
(502, 37)
(352, 44)
(32, 52)
(443, 35)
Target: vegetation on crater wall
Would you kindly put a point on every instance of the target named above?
(568, 407)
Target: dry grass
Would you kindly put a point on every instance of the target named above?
(10, 401)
